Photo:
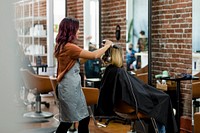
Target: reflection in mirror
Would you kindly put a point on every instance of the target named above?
(137, 34)
(195, 63)
(195, 37)
(91, 36)
(91, 23)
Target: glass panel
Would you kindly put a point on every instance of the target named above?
(59, 14)
(137, 34)
(91, 23)
(195, 37)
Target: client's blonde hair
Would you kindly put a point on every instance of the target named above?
(117, 56)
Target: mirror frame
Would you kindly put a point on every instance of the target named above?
(149, 41)
(100, 24)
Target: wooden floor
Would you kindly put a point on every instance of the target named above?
(29, 124)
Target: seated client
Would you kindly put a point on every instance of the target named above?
(119, 85)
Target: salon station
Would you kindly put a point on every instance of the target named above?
(160, 42)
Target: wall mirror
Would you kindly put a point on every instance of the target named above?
(92, 36)
(91, 23)
(195, 37)
(195, 56)
(137, 34)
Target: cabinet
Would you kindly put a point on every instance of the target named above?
(31, 27)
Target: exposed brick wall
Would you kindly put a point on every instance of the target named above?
(172, 43)
(75, 9)
(113, 13)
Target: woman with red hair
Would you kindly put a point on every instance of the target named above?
(72, 104)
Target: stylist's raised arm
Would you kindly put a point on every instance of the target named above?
(84, 55)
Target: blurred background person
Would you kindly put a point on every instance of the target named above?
(130, 57)
(92, 67)
(142, 47)
(142, 42)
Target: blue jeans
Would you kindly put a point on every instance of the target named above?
(161, 128)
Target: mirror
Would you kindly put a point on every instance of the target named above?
(137, 34)
(92, 15)
(195, 37)
(91, 23)
(195, 56)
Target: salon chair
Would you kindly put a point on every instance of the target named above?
(196, 93)
(54, 83)
(141, 70)
(196, 122)
(37, 85)
(114, 117)
(126, 111)
(142, 74)
(143, 77)
(91, 96)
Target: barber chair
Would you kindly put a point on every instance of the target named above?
(196, 122)
(126, 111)
(143, 77)
(54, 83)
(142, 70)
(91, 96)
(142, 74)
(196, 93)
(37, 85)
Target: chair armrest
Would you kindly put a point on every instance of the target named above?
(196, 90)
(91, 95)
(143, 77)
(196, 122)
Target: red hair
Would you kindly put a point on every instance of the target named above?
(66, 33)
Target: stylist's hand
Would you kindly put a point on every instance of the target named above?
(108, 42)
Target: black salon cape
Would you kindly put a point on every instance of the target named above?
(115, 86)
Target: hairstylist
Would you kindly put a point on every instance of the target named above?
(72, 104)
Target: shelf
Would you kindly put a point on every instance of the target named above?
(29, 36)
(31, 18)
(30, 21)
(35, 55)
(27, 2)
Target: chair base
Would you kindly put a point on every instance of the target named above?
(131, 132)
(38, 115)
(112, 118)
(68, 132)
